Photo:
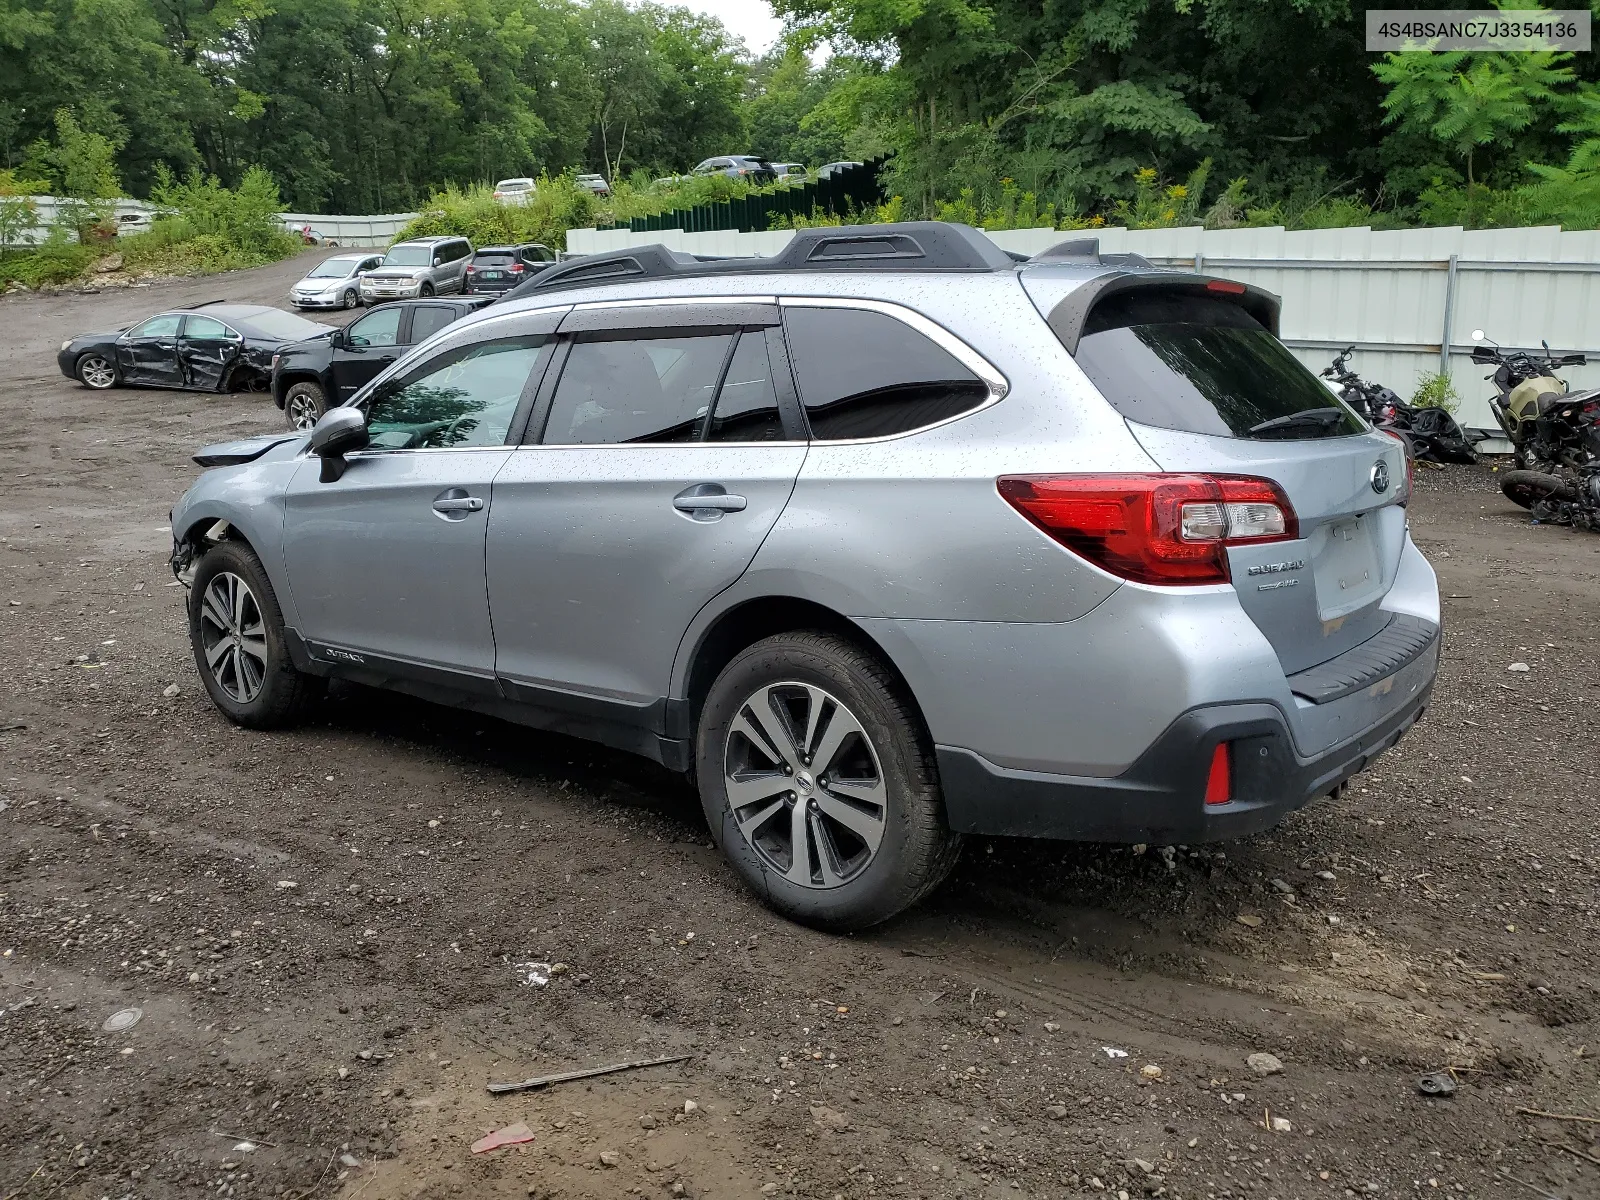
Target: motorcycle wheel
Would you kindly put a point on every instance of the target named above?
(1527, 488)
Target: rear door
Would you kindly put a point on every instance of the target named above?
(207, 350)
(148, 353)
(1206, 387)
(667, 448)
(367, 347)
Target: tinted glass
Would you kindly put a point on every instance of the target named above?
(205, 327)
(865, 374)
(1204, 365)
(163, 326)
(466, 397)
(428, 319)
(747, 406)
(636, 390)
(286, 327)
(378, 328)
(538, 254)
(491, 258)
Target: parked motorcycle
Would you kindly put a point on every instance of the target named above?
(1429, 434)
(1570, 499)
(1527, 389)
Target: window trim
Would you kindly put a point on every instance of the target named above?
(988, 374)
(789, 410)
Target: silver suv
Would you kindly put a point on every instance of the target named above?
(421, 267)
(884, 541)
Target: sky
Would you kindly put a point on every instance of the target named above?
(750, 19)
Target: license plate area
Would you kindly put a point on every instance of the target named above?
(489, 275)
(1344, 558)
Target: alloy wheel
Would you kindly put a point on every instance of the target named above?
(97, 371)
(234, 636)
(805, 784)
(350, 298)
(302, 411)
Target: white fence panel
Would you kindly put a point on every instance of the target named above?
(1407, 299)
(347, 231)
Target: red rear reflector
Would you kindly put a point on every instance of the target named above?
(516, 267)
(1219, 780)
(1225, 285)
(1162, 529)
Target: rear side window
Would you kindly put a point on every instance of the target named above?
(864, 374)
(636, 390)
(747, 406)
(1204, 365)
(428, 319)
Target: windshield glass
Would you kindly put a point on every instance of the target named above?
(408, 256)
(1204, 365)
(282, 326)
(333, 268)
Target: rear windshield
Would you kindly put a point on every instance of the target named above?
(281, 326)
(1204, 365)
(493, 257)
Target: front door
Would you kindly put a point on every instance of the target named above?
(385, 564)
(148, 353)
(664, 462)
(367, 347)
(207, 350)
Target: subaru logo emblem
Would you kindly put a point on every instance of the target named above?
(1380, 477)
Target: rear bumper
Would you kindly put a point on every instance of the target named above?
(1160, 799)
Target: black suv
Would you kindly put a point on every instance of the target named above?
(496, 269)
(312, 376)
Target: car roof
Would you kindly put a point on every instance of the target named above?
(431, 239)
(514, 179)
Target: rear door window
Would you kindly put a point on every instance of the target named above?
(428, 319)
(1204, 365)
(636, 389)
(747, 405)
(865, 374)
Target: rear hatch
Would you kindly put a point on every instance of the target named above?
(494, 270)
(1196, 369)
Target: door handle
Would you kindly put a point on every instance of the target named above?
(704, 501)
(453, 504)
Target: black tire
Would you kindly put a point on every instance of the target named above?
(94, 367)
(303, 399)
(282, 695)
(425, 290)
(1527, 488)
(915, 850)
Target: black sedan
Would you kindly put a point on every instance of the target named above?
(320, 373)
(216, 347)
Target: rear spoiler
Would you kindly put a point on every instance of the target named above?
(1068, 318)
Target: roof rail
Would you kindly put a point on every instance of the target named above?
(1087, 252)
(900, 246)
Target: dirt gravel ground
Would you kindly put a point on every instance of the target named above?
(326, 931)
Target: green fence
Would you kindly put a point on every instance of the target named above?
(845, 191)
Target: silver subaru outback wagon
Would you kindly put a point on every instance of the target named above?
(886, 540)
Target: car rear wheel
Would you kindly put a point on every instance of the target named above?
(303, 406)
(97, 372)
(819, 784)
(236, 633)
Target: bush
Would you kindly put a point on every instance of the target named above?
(629, 200)
(206, 227)
(559, 204)
(1436, 391)
(56, 261)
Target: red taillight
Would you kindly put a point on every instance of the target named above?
(517, 268)
(471, 270)
(1219, 780)
(1162, 529)
(1225, 285)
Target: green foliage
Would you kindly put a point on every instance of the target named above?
(629, 200)
(1163, 206)
(79, 163)
(1436, 391)
(55, 261)
(1571, 194)
(243, 221)
(559, 204)
(18, 213)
